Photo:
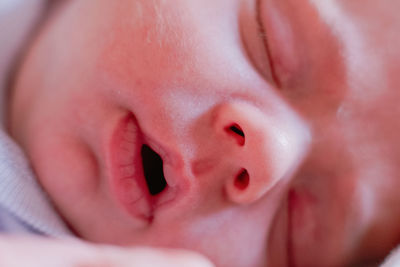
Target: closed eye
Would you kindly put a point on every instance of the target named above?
(264, 39)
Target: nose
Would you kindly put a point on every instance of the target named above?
(262, 147)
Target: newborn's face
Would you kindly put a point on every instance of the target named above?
(255, 132)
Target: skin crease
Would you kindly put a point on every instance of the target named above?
(185, 69)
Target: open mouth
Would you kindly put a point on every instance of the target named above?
(137, 172)
(153, 170)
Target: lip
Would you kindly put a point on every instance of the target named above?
(127, 181)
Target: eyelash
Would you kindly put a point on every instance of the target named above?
(264, 38)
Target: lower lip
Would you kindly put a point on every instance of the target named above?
(127, 180)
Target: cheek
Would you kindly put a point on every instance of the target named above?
(65, 167)
(62, 140)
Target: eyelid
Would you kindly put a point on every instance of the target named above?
(264, 39)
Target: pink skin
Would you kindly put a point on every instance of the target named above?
(318, 108)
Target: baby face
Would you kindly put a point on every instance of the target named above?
(255, 132)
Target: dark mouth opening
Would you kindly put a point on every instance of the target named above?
(153, 170)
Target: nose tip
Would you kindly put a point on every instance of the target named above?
(263, 148)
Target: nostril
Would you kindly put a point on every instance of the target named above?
(242, 179)
(236, 132)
